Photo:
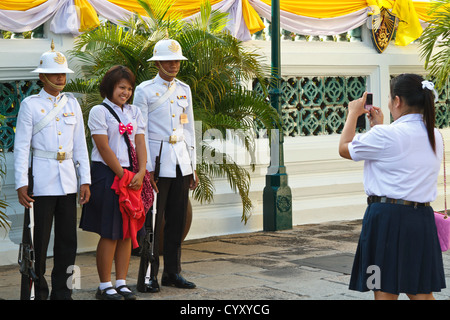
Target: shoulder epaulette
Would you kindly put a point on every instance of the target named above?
(146, 83)
(181, 82)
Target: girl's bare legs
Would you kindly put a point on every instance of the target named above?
(379, 295)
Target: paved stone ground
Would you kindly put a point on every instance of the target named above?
(308, 262)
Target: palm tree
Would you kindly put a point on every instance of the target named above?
(217, 71)
(435, 43)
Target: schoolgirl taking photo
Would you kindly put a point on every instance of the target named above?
(402, 162)
(110, 159)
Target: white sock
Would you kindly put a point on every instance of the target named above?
(104, 285)
(122, 282)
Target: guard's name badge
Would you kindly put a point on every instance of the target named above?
(184, 118)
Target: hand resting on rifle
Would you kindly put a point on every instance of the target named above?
(153, 182)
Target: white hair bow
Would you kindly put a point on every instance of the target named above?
(430, 86)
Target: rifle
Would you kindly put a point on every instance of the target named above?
(148, 242)
(157, 164)
(147, 250)
(26, 250)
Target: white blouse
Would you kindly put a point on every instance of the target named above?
(399, 161)
(101, 121)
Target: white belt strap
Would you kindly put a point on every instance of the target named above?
(52, 155)
(163, 98)
(51, 115)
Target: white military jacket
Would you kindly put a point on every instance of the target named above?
(174, 117)
(64, 133)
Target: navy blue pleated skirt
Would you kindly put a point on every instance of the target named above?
(102, 213)
(398, 251)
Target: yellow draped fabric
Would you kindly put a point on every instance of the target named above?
(407, 11)
(320, 8)
(87, 14)
(409, 28)
(185, 7)
(190, 7)
(251, 18)
(20, 5)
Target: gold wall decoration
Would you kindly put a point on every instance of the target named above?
(384, 26)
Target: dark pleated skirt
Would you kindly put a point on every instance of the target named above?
(398, 251)
(102, 213)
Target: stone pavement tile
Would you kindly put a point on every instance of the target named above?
(311, 284)
(219, 283)
(189, 255)
(219, 267)
(222, 247)
(341, 262)
(262, 293)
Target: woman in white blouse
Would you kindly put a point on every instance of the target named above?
(398, 250)
(110, 158)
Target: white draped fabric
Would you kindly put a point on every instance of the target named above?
(65, 17)
(314, 26)
(21, 21)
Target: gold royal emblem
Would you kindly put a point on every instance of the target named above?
(60, 59)
(383, 28)
(174, 47)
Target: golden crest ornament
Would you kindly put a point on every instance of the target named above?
(384, 25)
(60, 59)
(174, 47)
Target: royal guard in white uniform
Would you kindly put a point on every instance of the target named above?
(166, 105)
(50, 137)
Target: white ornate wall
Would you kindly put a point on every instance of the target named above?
(324, 186)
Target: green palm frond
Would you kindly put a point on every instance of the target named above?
(212, 21)
(435, 43)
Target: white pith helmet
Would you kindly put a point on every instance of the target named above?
(167, 50)
(52, 62)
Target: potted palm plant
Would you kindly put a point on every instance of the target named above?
(218, 68)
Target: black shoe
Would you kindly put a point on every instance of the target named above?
(128, 295)
(176, 280)
(102, 295)
(152, 285)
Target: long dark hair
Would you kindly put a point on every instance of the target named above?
(409, 88)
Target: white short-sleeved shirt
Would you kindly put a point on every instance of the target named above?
(64, 132)
(101, 121)
(399, 161)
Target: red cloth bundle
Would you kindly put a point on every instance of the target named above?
(131, 206)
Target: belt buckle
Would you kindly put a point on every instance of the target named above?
(173, 139)
(61, 155)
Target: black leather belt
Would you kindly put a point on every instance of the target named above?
(374, 199)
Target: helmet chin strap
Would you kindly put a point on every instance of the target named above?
(166, 72)
(51, 84)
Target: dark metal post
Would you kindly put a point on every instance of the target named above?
(277, 197)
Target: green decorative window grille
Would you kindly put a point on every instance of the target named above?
(11, 94)
(317, 105)
(442, 107)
